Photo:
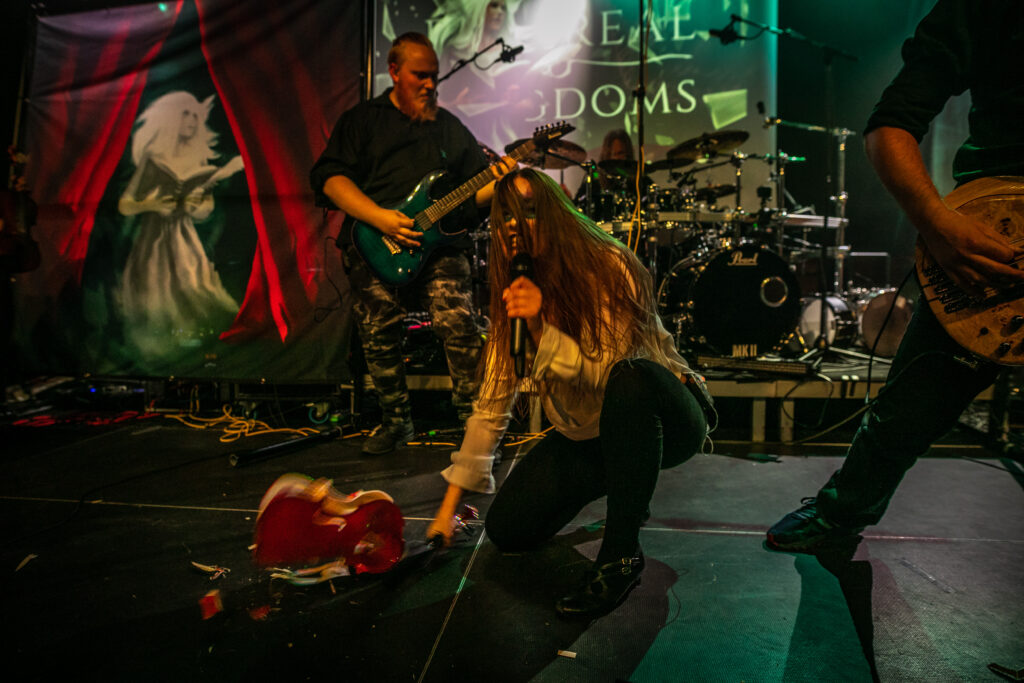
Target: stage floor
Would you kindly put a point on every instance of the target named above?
(102, 521)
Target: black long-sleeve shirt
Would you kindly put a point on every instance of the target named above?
(961, 45)
(386, 154)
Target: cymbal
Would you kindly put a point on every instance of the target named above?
(709, 193)
(626, 168)
(709, 144)
(568, 154)
(667, 164)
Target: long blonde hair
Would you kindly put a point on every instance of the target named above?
(158, 126)
(587, 278)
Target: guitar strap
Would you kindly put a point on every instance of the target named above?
(444, 148)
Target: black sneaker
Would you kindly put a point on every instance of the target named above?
(386, 438)
(806, 529)
(603, 588)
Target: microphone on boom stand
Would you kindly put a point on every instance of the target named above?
(769, 121)
(508, 54)
(728, 34)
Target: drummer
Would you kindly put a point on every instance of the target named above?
(616, 146)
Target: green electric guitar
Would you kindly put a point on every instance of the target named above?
(399, 265)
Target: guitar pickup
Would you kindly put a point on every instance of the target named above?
(391, 245)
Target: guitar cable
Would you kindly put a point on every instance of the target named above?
(867, 389)
(885, 322)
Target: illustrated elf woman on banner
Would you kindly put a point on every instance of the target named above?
(171, 296)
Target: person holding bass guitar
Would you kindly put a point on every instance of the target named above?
(970, 318)
(377, 153)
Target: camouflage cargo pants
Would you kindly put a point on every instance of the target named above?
(444, 290)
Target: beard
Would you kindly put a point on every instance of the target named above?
(416, 108)
(425, 110)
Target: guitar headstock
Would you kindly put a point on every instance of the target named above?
(545, 135)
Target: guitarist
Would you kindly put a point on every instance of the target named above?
(378, 152)
(960, 45)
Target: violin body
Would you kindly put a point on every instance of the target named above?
(305, 522)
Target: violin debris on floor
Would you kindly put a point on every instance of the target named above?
(137, 549)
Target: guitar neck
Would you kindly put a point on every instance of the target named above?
(445, 204)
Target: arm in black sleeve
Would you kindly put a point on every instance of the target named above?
(344, 155)
(936, 66)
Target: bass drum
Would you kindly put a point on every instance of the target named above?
(737, 302)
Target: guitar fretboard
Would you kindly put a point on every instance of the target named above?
(439, 209)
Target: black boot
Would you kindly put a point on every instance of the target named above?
(603, 588)
(388, 437)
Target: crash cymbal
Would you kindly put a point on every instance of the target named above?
(667, 164)
(560, 154)
(624, 168)
(709, 144)
(709, 193)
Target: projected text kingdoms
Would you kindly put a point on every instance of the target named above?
(610, 100)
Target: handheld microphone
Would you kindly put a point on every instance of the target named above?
(522, 266)
(508, 54)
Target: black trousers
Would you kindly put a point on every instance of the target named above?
(932, 380)
(649, 422)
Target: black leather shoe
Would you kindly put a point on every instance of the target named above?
(807, 530)
(603, 588)
(388, 437)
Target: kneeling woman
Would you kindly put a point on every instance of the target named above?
(623, 402)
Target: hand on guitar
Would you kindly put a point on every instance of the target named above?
(498, 170)
(397, 226)
(971, 252)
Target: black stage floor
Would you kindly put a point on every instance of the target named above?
(105, 510)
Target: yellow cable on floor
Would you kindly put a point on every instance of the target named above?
(531, 437)
(237, 427)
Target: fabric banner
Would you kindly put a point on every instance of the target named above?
(579, 61)
(169, 151)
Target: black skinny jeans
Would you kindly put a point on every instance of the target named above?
(931, 382)
(649, 422)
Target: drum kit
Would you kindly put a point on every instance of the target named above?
(725, 277)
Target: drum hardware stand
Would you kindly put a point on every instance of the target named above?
(837, 197)
(589, 168)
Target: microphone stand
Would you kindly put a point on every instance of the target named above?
(829, 53)
(638, 95)
(463, 63)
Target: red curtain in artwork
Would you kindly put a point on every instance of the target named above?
(281, 130)
(83, 104)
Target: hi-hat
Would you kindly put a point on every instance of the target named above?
(708, 145)
(559, 154)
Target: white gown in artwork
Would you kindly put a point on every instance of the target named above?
(171, 296)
